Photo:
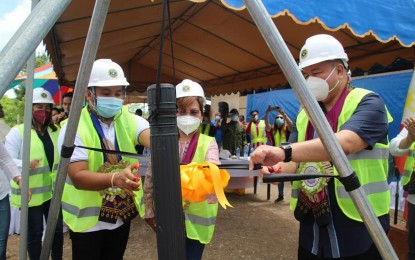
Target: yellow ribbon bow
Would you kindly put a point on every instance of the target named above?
(201, 179)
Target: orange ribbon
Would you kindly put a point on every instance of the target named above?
(201, 179)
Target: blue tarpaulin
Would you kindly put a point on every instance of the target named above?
(392, 88)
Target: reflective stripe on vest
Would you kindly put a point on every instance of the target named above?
(260, 138)
(80, 208)
(371, 166)
(40, 178)
(200, 218)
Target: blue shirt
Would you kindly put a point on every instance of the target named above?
(344, 235)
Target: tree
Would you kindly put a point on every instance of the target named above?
(41, 59)
(13, 110)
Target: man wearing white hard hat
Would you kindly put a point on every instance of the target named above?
(200, 217)
(102, 195)
(44, 160)
(330, 225)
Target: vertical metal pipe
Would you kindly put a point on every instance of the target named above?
(166, 173)
(88, 56)
(288, 65)
(27, 122)
(25, 41)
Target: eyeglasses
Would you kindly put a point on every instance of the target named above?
(193, 112)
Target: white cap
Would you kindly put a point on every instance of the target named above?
(189, 88)
(319, 48)
(106, 73)
(42, 96)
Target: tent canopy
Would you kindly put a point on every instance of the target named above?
(217, 44)
(44, 77)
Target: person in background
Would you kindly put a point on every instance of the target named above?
(279, 133)
(8, 172)
(44, 160)
(206, 127)
(256, 129)
(139, 148)
(217, 123)
(111, 200)
(139, 112)
(66, 107)
(56, 115)
(193, 147)
(66, 103)
(330, 224)
(404, 143)
(233, 133)
(242, 120)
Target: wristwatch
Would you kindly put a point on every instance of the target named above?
(287, 150)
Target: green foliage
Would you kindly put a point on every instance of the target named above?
(20, 92)
(41, 59)
(13, 110)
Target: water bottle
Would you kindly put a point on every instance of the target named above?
(145, 151)
(238, 153)
(246, 152)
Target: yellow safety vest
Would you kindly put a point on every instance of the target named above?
(279, 137)
(200, 217)
(42, 178)
(260, 138)
(204, 129)
(81, 208)
(371, 166)
(409, 165)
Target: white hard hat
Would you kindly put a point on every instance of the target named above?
(319, 48)
(41, 96)
(189, 88)
(106, 73)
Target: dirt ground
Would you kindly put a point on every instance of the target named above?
(254, 229)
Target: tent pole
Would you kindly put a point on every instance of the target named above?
(27, 128)
(288, 65)
(25, 41)
(88, 56)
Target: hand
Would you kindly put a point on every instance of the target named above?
(409, 124)
(228, 120)
(126, 180)
(34, 163)
(273, 169)
(18, 180)
(269, 109)
(266, 155)
(152, 223)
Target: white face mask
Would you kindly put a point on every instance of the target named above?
(319, 87)
(188, 124)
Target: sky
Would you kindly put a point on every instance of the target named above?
(12, 14)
